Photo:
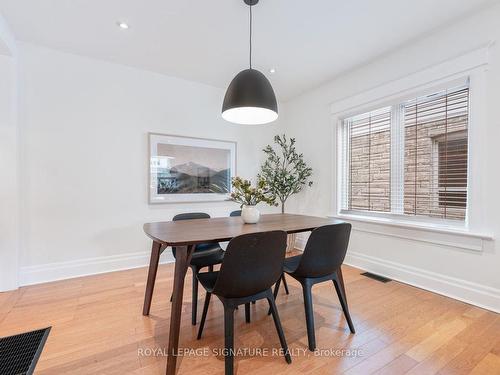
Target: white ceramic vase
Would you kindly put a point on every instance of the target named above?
(250, 214)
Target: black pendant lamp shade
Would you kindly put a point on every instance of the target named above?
(250, 98)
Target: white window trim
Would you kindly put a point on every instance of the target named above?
(471, 66)
(393, 220)
(437, 234)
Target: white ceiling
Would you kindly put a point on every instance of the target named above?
(307, 41)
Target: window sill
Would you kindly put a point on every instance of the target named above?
(437, 234)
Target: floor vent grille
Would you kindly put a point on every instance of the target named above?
(19, 354)
(373, 276)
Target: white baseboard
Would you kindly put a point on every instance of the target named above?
(84, 267)
(462, 290)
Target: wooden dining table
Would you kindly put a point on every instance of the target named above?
(185, 234)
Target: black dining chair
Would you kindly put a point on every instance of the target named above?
(204, 255)
(323, 255)
(285, 285)
(252, 264)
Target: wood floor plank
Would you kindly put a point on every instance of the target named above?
(433, 342)
(400, 365)
(480, 320)
(489, 365)
(475, 351)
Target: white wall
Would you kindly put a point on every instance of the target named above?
(9, 224)
(84, 166)
(419, 258)
(8, 43)
(9, 220)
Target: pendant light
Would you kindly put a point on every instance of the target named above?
(250, 98)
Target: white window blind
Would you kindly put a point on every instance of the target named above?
(436, 155)
(409, 158)
(370, 161)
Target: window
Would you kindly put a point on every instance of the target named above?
(370, 161)
(409, 158)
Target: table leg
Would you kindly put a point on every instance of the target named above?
(153, 268)
(182, 260)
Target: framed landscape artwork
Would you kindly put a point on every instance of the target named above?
(183, 169)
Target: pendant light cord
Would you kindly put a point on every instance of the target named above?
(250, 57)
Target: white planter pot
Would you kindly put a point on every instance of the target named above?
(250, 214)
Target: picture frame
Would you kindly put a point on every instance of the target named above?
(189, 169)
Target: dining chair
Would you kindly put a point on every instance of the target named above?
(252, 264)
(285, 285)
(204, 255)
(321, 261)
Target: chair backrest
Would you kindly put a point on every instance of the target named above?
(325, 250)
(252, 264)
(189, 216)
(235, 213)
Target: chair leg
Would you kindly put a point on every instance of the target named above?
(204, 314)
(211, 268)
(343, 302)
(194, 311)
(247, 312)
(253, 302)
(279, 328)
(285, 285)
(340, 279)
(229, 340)
(275, 294)
(308, 307)
(276, 288)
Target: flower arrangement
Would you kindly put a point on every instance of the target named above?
(246, 195)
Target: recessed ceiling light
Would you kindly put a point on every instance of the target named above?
(122, 25)
(272, 70)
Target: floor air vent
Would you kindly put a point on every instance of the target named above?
(373, 276)
(19, 354)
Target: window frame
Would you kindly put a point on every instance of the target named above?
(397, 104)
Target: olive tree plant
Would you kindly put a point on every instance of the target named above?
(284, 171)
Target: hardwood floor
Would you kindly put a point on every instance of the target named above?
(98, 328)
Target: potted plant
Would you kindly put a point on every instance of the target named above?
(248, 197)
(285, 173)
